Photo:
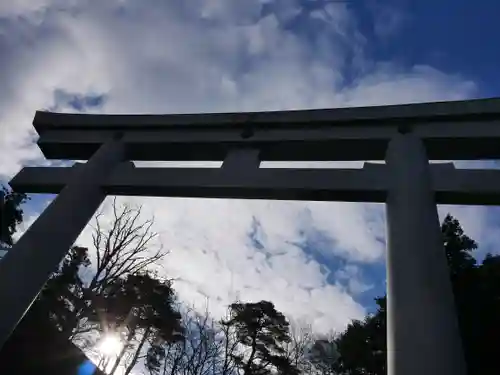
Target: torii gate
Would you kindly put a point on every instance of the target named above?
(423, 336)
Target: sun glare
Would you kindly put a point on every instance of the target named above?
(110, 345)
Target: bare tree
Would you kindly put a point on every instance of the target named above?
(297, 350)
(324, 355)
(201, 347)
(228, 347)
(310, 353)
(208, 348)
(126, 247)
(175, 358)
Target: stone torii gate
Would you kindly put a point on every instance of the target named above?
(423, 336)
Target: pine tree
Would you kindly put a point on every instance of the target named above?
(263, 331)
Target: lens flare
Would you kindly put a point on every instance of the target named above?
(110, 345)
(86, 368)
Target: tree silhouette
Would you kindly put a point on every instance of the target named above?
(139, 308)
(324, 356)
(122, 246)
(207, 348)
(119, 294)
(362, 346)
(263, 331)
(62, 296)
(11, 214)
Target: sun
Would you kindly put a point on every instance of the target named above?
(110, 344)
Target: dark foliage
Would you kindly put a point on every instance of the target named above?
(11, 214)
(263, 330)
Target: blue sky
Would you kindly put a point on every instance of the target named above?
(454, 36)
(319, 262)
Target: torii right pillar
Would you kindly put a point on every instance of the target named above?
(423, 336)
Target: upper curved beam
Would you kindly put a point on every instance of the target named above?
(437, 111)
(458, 130)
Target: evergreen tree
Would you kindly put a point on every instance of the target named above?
(11, 214)
(263, 331)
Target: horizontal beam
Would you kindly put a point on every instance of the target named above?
(452, 186)
(466, 140)
(275, 145)
(350, 185)
(460, 130)
(440, 111)
(466, 186)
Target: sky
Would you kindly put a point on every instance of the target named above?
(320, 263)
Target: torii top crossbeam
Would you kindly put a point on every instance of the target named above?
(460, 130)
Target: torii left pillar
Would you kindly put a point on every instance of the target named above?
(26, 267)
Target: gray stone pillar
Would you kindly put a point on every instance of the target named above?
(422, 330)
(27, 266)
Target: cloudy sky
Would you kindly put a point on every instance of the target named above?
(318, 262)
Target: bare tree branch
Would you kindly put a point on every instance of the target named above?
(125, 248)
(123, 245)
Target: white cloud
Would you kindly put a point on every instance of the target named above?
(352, 275)
(21, 7)
(194, 56)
